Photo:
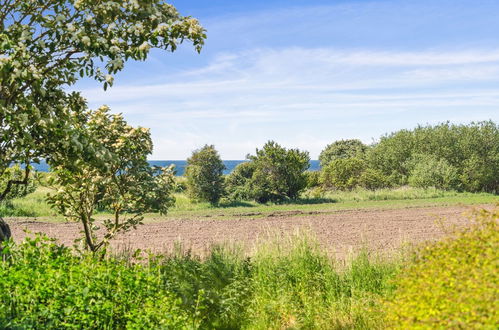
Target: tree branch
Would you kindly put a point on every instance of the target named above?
(10, 183)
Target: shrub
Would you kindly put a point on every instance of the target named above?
(204, 175)
(373, 179)
(478, 174)
(215, 290)
(453, 283)
(126, 185)
(427, 171)
(47, 286)
(237, 183)
(342, 149)
(312, 178)
(342, 173)
(278, 173)
(289, 282)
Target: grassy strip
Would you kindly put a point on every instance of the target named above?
(288, 283)
(34, 204)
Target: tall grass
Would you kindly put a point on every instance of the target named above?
(32, 205)
(402, 193)
(288, 283)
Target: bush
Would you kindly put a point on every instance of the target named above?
(427, 171)
(312, 178)
(342, 149)
(453, 283)
(237, 183)
(278, 173)
(47, 286)
(373, 179)
(343, 173)
(204, 175)
(289, 282)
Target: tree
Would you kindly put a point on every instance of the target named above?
(46, 46)
(472, 149)
(204, 175)
(342, 149)
(126, 185)
(16, 173)
(278, 173)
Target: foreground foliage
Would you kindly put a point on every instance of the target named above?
(453, 283)
(46, 46)
(45, 285)
(286, 284)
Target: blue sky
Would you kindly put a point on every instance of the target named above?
(307, 73)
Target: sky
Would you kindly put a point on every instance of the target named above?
(308, 73)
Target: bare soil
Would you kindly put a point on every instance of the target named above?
(340, 233)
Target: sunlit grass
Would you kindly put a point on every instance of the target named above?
(313, 201)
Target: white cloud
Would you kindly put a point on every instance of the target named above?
(245, 98)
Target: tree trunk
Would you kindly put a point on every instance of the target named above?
(4, 231)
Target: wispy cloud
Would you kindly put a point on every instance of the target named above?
(312, 84)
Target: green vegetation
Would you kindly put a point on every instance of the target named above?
(46, 47)
(453, 283)
(204, 175)
(125, 185)
(342, 149)
(274, 174)
(342, 173)
(445, 156)
(64, 41)
(464, 157)
(316, 199)
(285, 284)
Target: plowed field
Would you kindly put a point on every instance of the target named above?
(338, 232)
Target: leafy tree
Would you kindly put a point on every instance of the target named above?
(126, 185)
(46, 46)
(473, 150)
(204, 175)
(343, 173)
(278, 173)
(342, 149)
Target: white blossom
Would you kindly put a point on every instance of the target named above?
(85, 40)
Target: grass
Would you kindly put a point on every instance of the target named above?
(288, 283)
(34, 204)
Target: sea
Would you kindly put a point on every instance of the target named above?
(181, 164)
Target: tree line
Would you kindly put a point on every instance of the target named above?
(445, 156)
